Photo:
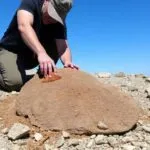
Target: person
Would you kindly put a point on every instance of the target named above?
(37, 35)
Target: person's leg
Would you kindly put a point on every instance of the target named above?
(11, 73)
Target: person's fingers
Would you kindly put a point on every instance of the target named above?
(45, 69)
(76, 67)
(49, 71)
(71, 66)
(68, 66)
(54, 66)
(42, 68)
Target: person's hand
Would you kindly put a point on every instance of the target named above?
(47, 65)
(70, 65)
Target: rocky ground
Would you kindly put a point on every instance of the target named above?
(17, 137)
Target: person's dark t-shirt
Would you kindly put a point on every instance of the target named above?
(46, 34)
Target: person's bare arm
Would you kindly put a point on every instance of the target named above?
(25, 21)
(65, 53)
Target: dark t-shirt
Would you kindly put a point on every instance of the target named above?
(12, 39)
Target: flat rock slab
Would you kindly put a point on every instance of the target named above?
(77, 103)
(17, 131)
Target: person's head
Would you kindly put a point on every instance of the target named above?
(56, 11)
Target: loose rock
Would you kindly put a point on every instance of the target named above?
(73, 142)
(14, 93)
(148, 92)
(21, 142)
(120, 74)
(48, 147)
(146, 128)
(127, 139)
(101, 125)
(140, 76)
(16, 147)
(60, 142)
(104, 75)
(128, 147)
(147, 80)
(65, 134)
(132, 88)
(5, 130)
(5, 144)
(90, 143)
(147, 139)
(140, 144)
(112, 141)
(18, 131)
(93, 136)
(38, 136)
(100, 139)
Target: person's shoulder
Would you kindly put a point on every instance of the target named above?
(30, 5)
(31, 2)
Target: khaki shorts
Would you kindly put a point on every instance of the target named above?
(12, 72)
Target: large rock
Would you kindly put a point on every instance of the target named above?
(76, 103)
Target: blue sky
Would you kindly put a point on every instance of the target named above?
(104, 36)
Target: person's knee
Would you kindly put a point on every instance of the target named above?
(13, 84)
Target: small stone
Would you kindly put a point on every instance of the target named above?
(1, 92)
(138, 136)
(128, 147)
(146, 148)
(120, 74)
(101, 125)
(38, 136)
(123, 85)
(147, 80)
(132, 88)
(15, 93)
(65, 134)
(18, 130)
(5, 130)
(148, 114)
(127, 139)
(48, 147)
(147, 139)
(140, 144)
(73, 142)
(79, 147)
(90, 143)
(148, 91)
(146, 128)
(140, 122)
(100, 139)
(16, 147)
(20, 142)
(93, 136)
(2, 126)
(5, 144)
(60, 142)
(112, 141)
(139, 75)
(104, 75)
